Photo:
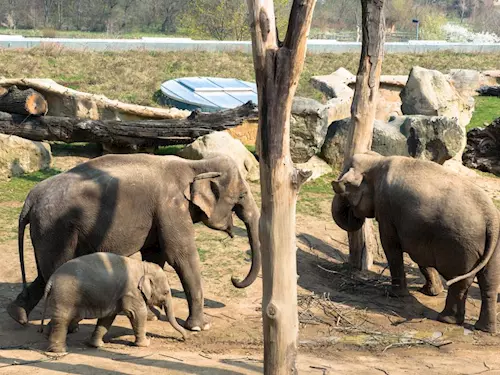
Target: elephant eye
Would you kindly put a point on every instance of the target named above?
(242, 196)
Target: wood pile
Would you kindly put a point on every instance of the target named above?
(483, 148)
(23, 113)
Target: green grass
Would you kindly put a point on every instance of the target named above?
(487, 109)
(135, 76)
(17, 188)
(315, 196)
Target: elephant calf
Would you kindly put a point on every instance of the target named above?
(443, 221)
(101, 285)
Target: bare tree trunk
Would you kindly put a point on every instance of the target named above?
(363, 113)
(277, 71)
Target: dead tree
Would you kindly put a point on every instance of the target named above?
(277, 71)
(135, 133)
(363, 113)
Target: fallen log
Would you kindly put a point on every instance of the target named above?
(483, 148)
(23, 102)
(489, 91)
(136, 133)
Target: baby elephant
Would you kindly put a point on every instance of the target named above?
(101, 285)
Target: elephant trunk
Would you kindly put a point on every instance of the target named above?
(343, 215)
(169, 311)
(249, 214)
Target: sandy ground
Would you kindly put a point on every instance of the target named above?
(349, 324)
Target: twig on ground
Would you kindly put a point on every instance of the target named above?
(227, 316)
(324, 369)
(381, 369)
(213, 316)
(15, 363)
(132, 358)
(169, 356)
(204, 356)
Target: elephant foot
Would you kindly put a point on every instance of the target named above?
(398, 291)
(56, 348)
(445, 317)
(95, 343)
(196, 325)
(142, 342)
(485, 326)
(17, 313)
(431, 290)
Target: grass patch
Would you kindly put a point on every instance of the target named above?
(169, 150)
(17, 188)
(487, 109)
(135, 76)
(315, 196)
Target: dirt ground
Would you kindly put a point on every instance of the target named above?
(348, 323)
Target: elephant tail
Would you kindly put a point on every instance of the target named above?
(48, 288)
(492, 238)
(23, 221)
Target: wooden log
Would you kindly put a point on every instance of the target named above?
(277, 71)
(23, 102)
(489, 91)
(363, 111)
(139, 133)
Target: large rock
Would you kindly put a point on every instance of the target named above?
(317, 166)
(465, 81)
(223, 143)
(19, 156)
(308, 126)
(335, 85)
(426, 137)
(429, 93)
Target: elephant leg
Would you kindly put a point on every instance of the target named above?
(180, 253)
(488, 284)
(394, 255)
(433, 285)
(25, 302)
(138, 319)
(454, 309)
(101, 328)
(57, 336)
(153, 255)
(73, 326)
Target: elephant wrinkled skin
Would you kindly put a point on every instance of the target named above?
(443, 221)
(123, 204)
(100, 286)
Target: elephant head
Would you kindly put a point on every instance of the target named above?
(219, 192)
(155, 289)
(354, 201)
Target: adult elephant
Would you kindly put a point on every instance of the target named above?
(128, 203)
(443, 221)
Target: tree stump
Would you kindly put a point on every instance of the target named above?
(483, 148)
(489, 91)
(22, 102)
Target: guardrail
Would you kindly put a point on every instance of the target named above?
(186, 44)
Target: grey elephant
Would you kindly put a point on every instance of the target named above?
(100, 286)
(443, 221)
(127, 203)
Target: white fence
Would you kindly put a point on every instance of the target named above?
(186, 44)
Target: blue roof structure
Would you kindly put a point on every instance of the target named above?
(208, 94)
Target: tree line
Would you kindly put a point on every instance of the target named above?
(228, 19)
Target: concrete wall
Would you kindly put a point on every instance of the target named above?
(186, 44)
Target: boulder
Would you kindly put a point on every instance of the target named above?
(308, 126)
(435, 138)
(427, 137)
(335, 85)
(223, 143)
(428, 92)
(19, 156)
(465, 81)
(318, 166)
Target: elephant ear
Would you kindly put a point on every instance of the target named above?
(352, 185)
(204, 192)
(145, 287)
